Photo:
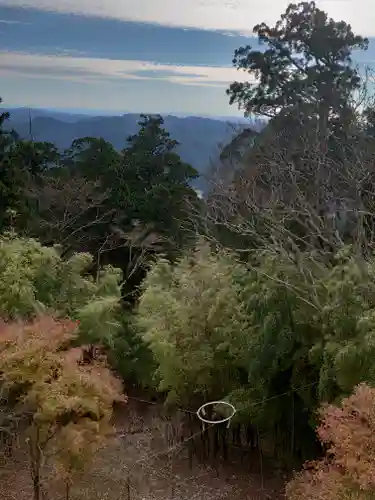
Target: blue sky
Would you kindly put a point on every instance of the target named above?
(137, 55)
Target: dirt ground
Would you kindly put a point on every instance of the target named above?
(146, 462)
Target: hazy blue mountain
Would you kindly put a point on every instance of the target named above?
(201, 139)
(24, 114)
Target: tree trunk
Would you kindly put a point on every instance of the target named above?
(35, 462)
(36, 487)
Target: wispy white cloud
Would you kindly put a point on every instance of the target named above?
(238, 15)
(84, 69)
(10, 21)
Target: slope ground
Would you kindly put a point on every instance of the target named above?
(144, 462)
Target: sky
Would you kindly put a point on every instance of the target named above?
(152, 56)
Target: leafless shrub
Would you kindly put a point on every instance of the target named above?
(68, 209)
(297, 192)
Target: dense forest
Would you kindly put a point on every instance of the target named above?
(113, 271)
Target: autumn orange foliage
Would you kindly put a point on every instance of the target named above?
(65, 404)
(348, 470)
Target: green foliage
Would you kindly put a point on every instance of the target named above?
(131, 357)
(35, 157)
(91, 157)
(273, 332)
(152, 183)
(251, 332)
(147, 183)
(348, 321)
(95, 198)
(122, 207)
(196, 325)
(34, 279)
(313, 318)
(306, 62)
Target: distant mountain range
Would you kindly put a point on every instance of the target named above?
(201, 139)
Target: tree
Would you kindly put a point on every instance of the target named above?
(69, 210)
(147, 183)
(195, 323)
(307, 181)
(70, 201)
(11, 181)
(148, 200)
(153, 183)
(93, 158)
(275, 334)
(306, 63)
(308, 178)
(347, 471)
(219, 329)
(369, 115)
(61, 405)
(22, 164)
(35, 157)
(121, 206)
(292, 195)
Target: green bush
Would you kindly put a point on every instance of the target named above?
(34, 279)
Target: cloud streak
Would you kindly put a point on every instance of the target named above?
(236, 15)
(10, 22)
(91, 70)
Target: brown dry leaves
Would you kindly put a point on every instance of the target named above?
(348, 471)
(67, 404)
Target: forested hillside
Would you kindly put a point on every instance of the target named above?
(200, 139)
(114, 272)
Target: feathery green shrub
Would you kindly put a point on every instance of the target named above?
(276, 335)
(34, 280)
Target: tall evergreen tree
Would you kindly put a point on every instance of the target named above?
(306, 62)
(153, 183)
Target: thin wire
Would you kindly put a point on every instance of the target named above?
(256, 403)
(155, 456)
(291, 391)
(180, 445)
(156, 403)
